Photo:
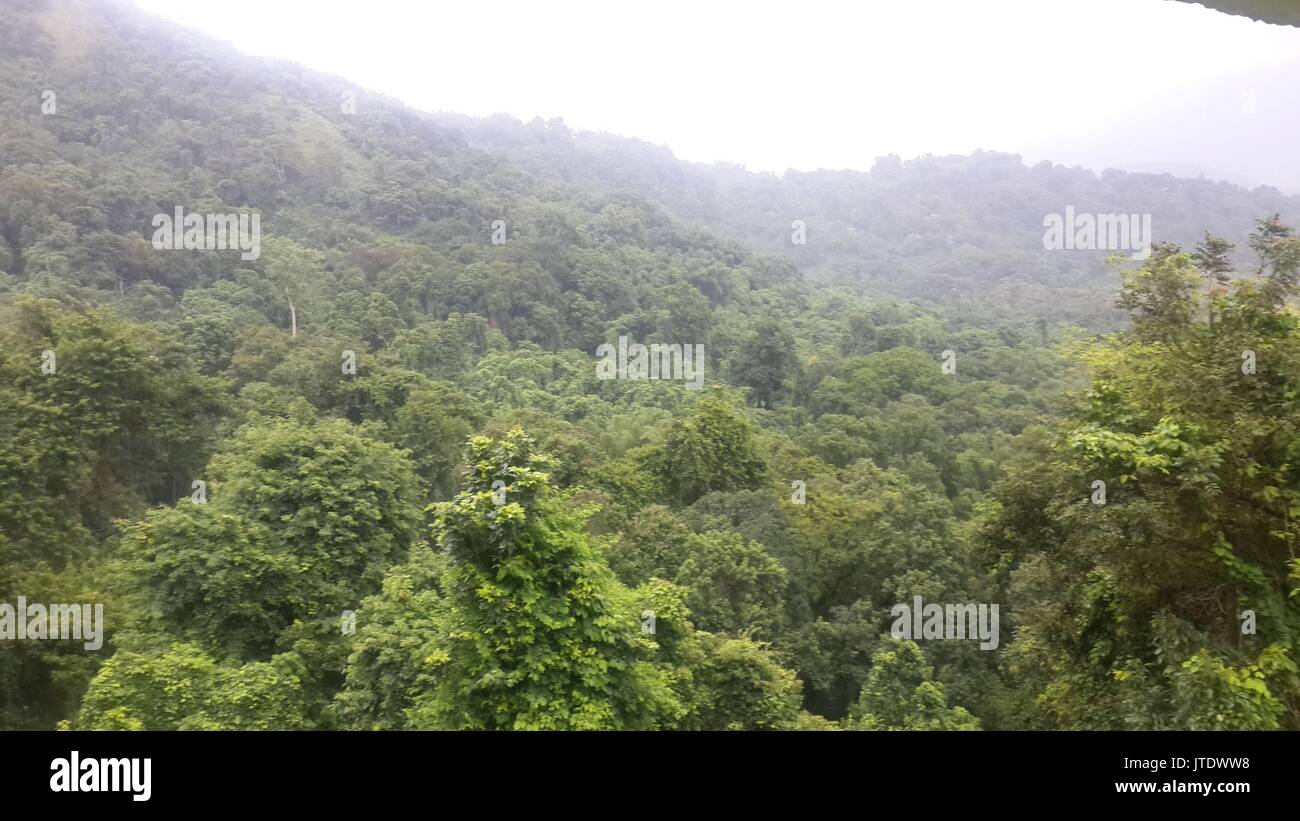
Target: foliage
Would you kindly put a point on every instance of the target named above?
(830, 467)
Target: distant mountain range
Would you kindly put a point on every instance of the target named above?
(1241, 128)
(151, 117)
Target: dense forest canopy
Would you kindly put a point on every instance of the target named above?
(366, 473)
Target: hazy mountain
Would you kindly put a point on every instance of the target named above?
(164, 117)
(1240, 128)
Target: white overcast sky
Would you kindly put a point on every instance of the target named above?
(772, 85)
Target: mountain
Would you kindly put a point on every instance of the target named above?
(150, 118)
(1238, 127)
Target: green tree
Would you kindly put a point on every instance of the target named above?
(1134, 612)
(901, 695)
(714, 448)
(301, 521)
(743, 688)
(399, 630)
(1213, 257)
(183, 688)
(767, 363)
(540, 635)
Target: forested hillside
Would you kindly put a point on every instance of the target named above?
(370, 474)
(962, 233)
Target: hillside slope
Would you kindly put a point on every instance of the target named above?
(148, 118)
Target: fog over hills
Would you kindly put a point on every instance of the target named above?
(950, 230)
(1240, 128)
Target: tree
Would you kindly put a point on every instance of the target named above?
(1133, 612)
(900, 695)
(1213, 258)
(1161, 295)
(301, 522)
(714, 448)
(735, 585)
(101, 417)
(1279, 257)
(398, 630)
(183, 688)
(539, 635)
(767, 363)
(286, 286)
(743, 688)
(105, 417)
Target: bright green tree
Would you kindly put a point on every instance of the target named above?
(900, 695)
(539, 634)
(301, 521)
(182, 688)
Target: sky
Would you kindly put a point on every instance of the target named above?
(768, 85)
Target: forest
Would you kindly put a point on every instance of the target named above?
(370, 473)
